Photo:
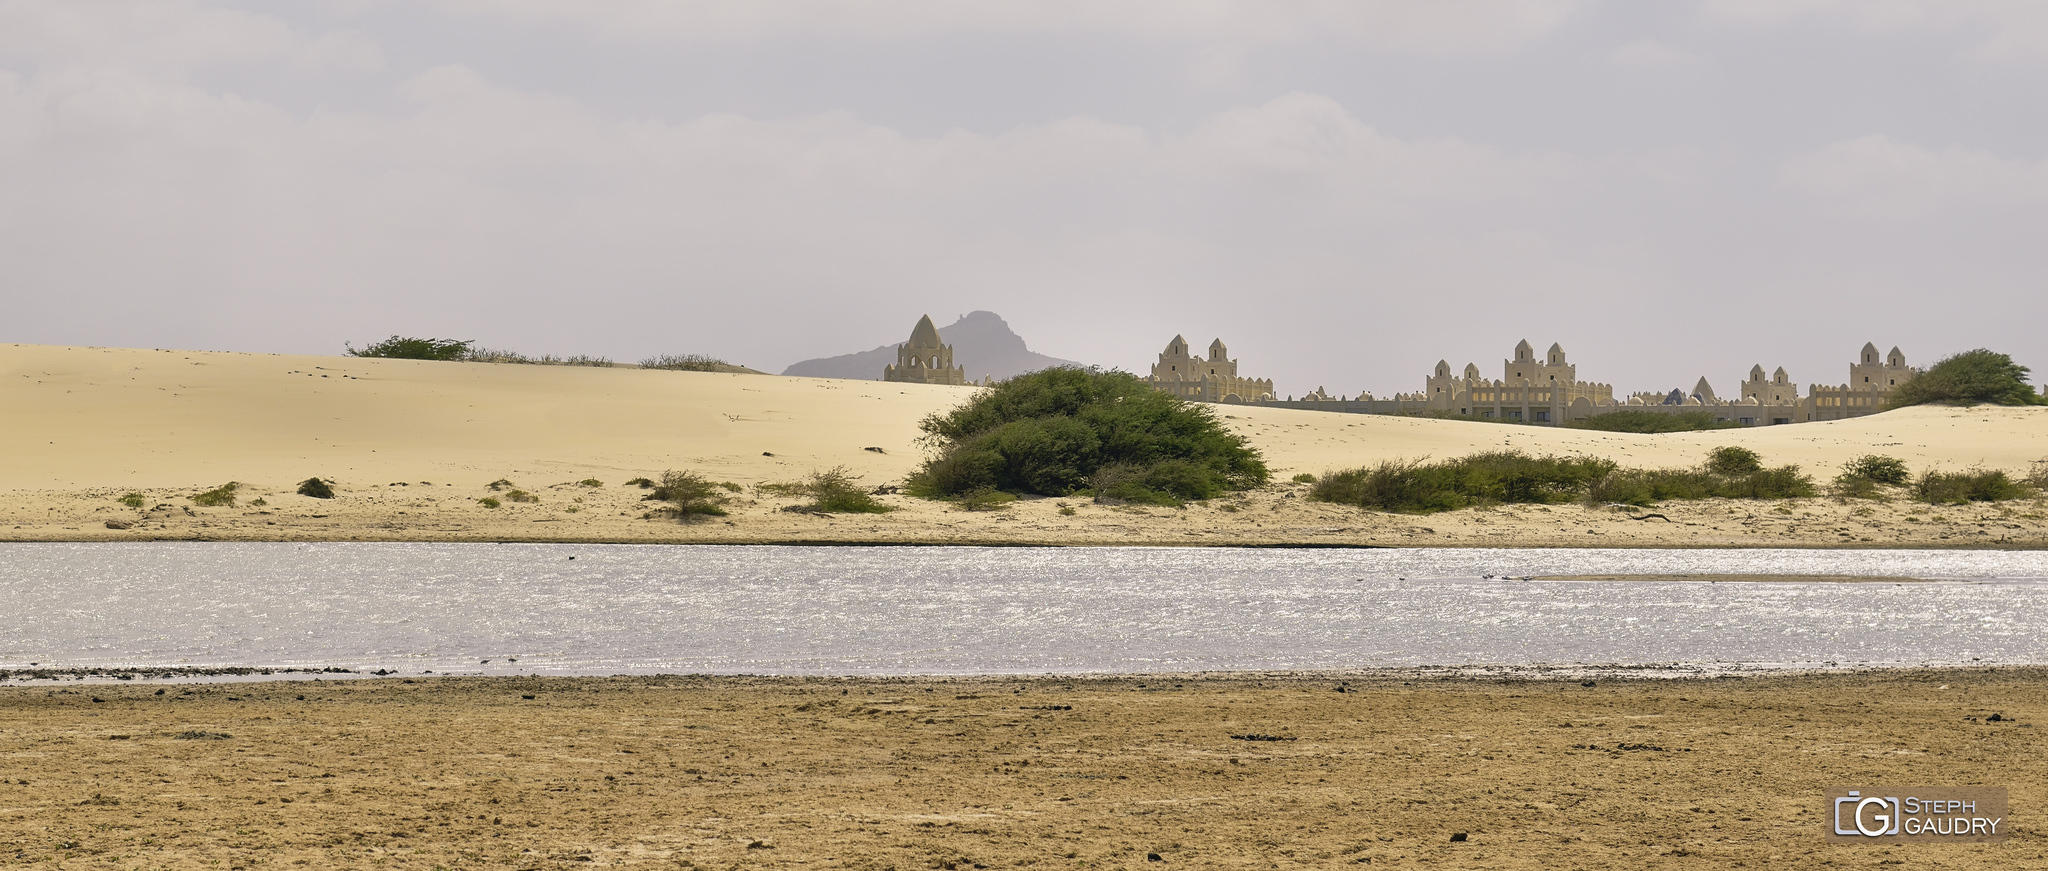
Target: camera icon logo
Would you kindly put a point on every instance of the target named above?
(1870, 816)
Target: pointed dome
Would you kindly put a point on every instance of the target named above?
(1896, 357)
(1443, 368)
(1756, 372)
(1869, 352)
(1178, 347)
(1524, 350)
(1703, 390)
(1216, 347)
(924, 335)
(1781, 376)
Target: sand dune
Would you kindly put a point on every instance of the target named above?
(85, 424)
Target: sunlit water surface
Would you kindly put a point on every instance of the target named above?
(620, 609)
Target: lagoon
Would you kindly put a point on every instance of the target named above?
(569, 609)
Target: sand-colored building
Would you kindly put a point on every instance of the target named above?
(1210, 379)
(1547, 390)
(924, 359)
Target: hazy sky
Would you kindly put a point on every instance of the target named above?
(1345, 192)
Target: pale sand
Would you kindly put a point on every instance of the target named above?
(413, 444)
(1083, 772)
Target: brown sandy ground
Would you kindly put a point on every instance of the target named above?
(690, 772)
(1277, 515)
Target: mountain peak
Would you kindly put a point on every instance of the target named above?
(982, 341)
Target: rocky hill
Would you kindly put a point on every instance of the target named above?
(982, 343)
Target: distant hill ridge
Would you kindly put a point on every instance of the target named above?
(982, 343)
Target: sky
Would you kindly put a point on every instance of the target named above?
(1344, 192)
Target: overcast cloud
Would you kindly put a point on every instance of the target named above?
(1345, 192)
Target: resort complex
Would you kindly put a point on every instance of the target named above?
(1548, 391)
(1533, 389)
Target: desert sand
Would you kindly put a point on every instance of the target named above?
(413, 446)
(1004, 773)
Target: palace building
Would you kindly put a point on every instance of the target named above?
(1210, 379)
(924, 359)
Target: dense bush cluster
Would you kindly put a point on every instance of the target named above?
(1416, 487)
(1976, 485)
(1069, 431)
(409, 348)
(1969, 378)
(1512, 477)
(685, 363)
(1633, 420)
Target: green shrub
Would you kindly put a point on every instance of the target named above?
(2037, 476)
(685, 363)
(520, 496)
(488, 502)
(1734, 460)
(1783, 482)
(1639, 421)
(221, 496)
(1969, 378)
(1878, 469)
(260, 502)
(591, 482)
(1414, 486)
(1976, 485)
(641, 483)
(1304, 478)
(1650, 486)
(133, 500)
(984, 500)
(408, 348)
(1055, 431)
(316, 488)
(838, 491)
(729, 486)
(1511, 477)
(689, 495)
(500, 484)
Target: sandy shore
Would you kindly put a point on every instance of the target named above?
(1003, 773)
(413, 446)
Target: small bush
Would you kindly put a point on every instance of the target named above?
(221, 496)
(407, 348)
(689, 495)
(591, 482)
(1304, 478)
(838, 491)
(641, 483)
(133, 500)
(1732, 460)
(1638, 421)
(685, 363)
(488, 502)
(2037, 476)
(1783, 482)
(984, 500)
(500, 484)
(1067, 511)
(1890, 471)
(1851, 487)
(520, 496)
(316, 488)
(729, 486)
(1958, 488)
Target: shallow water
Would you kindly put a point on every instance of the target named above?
(617, 609)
